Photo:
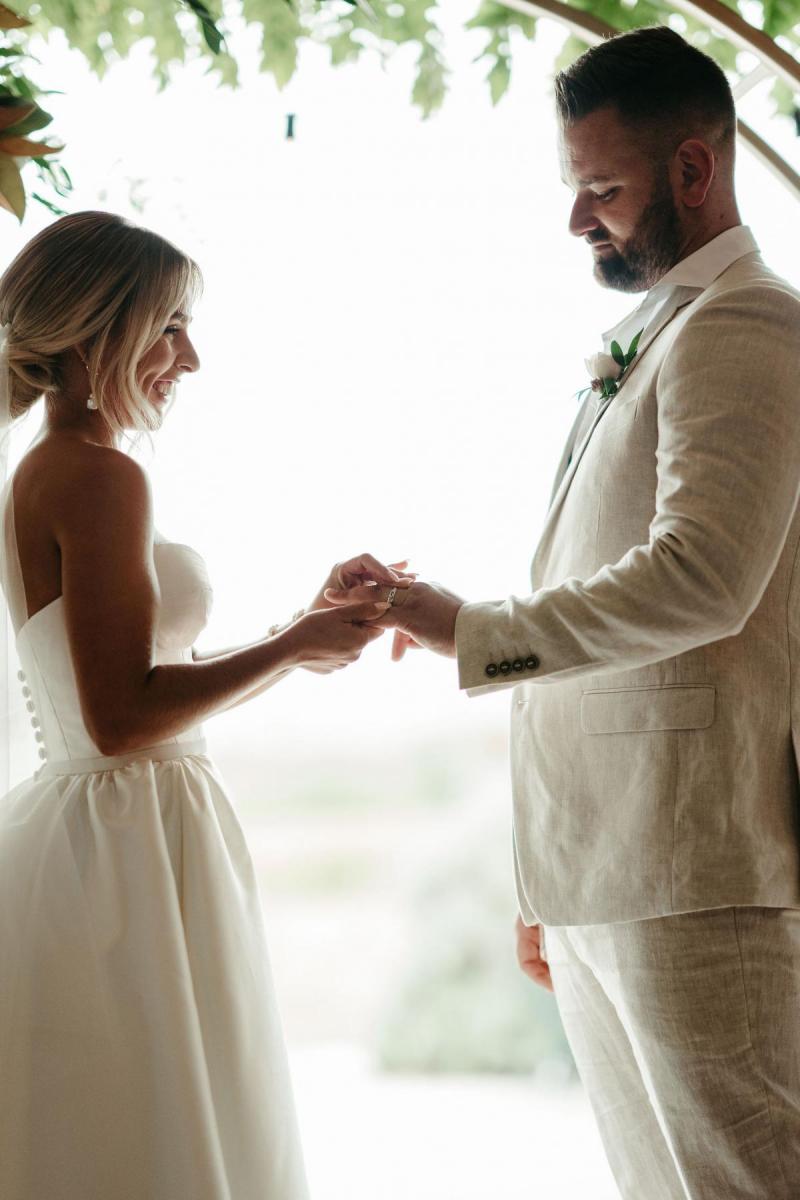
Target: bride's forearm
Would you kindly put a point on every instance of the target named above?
(207, 655)
(176, 696)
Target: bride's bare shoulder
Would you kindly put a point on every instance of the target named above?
(65, 477)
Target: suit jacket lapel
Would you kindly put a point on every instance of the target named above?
(569, 464)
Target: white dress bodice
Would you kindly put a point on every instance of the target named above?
(47, 676)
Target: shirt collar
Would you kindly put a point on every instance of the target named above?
(685, 280)
(707, 264)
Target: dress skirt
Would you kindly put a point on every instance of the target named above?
(141, 1051)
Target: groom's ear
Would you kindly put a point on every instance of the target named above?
(694, 169)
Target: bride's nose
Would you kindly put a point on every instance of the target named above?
(188, 359)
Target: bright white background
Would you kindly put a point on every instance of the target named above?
(392, 333)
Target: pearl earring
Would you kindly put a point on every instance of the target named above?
(91, 402)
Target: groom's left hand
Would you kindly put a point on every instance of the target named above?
(423, 614)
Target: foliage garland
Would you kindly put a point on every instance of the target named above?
(105, 31)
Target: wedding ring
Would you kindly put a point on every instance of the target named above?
(391, 596)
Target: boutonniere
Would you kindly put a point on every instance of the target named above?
(607, 371)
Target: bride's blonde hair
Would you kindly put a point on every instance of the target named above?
(92, 279)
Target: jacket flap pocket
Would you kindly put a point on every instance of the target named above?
(638, 709)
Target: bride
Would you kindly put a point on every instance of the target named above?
(141, 1051)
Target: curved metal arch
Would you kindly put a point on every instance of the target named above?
(772, 60)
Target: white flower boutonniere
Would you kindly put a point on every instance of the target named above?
(606, 371)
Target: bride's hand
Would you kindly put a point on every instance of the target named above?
(364, 569)
(328, 639)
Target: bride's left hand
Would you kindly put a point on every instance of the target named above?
(364, 569)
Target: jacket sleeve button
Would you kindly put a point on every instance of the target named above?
(532, 662)
(505, 666)
(518, 664)
(492, 670)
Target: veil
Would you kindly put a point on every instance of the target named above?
(17, 747)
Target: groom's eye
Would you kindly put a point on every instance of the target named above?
(605, 195)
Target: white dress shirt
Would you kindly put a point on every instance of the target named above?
(685, 281)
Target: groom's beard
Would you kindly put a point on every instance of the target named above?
(651, 250)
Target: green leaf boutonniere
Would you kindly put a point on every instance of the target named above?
(607, 371)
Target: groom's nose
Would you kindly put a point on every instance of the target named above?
(582, 219)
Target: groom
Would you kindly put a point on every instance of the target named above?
(656, 710)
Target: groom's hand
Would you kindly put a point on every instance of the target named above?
(423, 614)
(529, 956)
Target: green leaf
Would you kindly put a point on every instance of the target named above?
(12, 191)
(281, 30)
(617, 355)
(499, 78)
(429, 88)
(48, 204)
(37, 120)
(211, 34)
(634, 345)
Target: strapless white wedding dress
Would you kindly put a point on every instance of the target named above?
(141, 1050)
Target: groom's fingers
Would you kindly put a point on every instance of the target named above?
(401, 642)
(529, 954)
(367, 591)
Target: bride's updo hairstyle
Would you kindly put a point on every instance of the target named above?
(96, 280)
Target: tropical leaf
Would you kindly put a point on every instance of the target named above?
(211, 34)
(14, 110)
(429, 87)
(21, 147)
(35, 120)
(499, 77)
(281, 31)
(55, 209)
(12, 190)
(11, 20)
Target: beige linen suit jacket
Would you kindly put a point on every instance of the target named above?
(656, 665)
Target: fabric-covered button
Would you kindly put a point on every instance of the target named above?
(518, 664)
(505, 666)
(492, 670)
(39, 735)
(35, 722)
(20, 675)
(30, 706)
(26, 691)
(42, 752)
(532, 662)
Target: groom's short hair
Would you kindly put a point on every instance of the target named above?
(658, 83)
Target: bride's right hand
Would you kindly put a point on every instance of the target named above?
(328, 639)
